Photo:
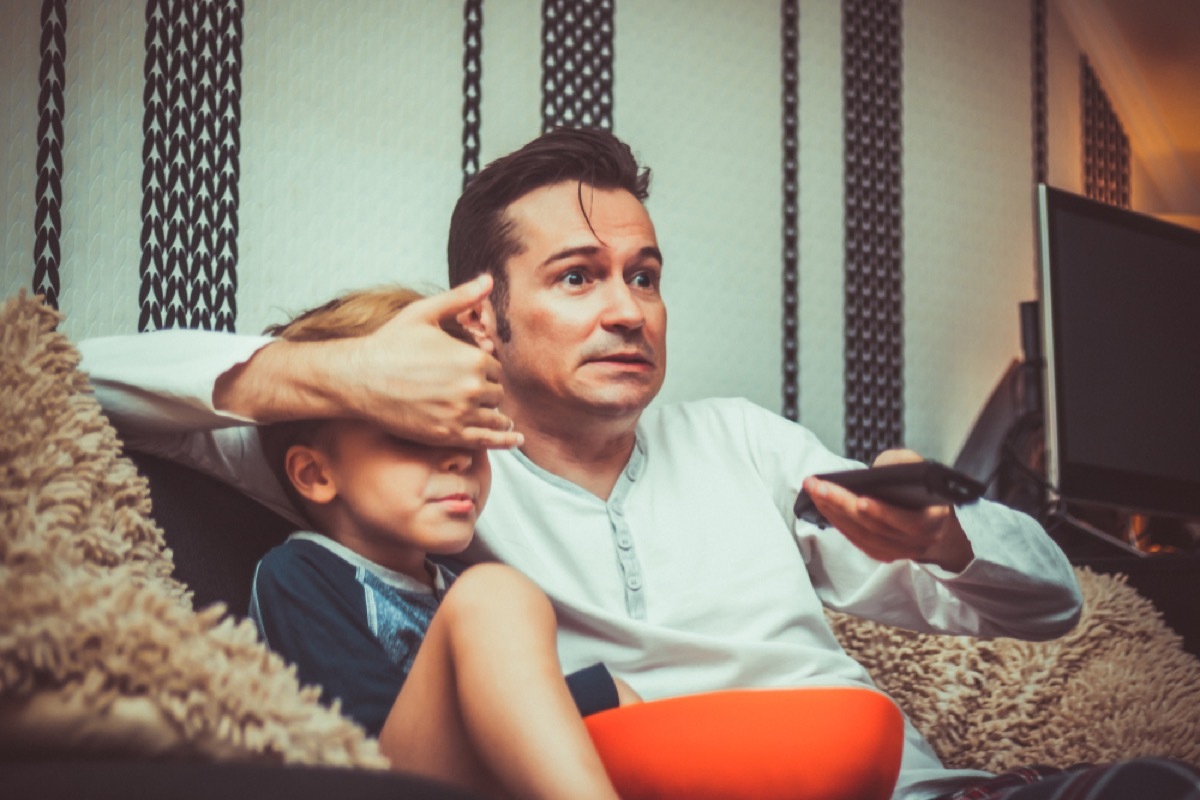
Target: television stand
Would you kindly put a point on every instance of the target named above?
(1170, 580)
(1102, 542)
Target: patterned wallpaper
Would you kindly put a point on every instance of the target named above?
(1106, 154)
(20, 35)
(350, 156)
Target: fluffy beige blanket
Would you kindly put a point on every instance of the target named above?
(100, 650)
(1118, 686)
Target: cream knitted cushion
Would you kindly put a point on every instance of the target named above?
(100, 650)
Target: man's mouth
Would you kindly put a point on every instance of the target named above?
(634, 358)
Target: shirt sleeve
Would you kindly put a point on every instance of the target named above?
(157, 388)
(1019, 583)
(162, 382)
(310, 609)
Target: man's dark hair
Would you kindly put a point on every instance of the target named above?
(482, 238)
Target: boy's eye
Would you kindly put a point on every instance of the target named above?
(406, 445)
(573, 277)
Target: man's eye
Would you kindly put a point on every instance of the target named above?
(573, 278)
(644, 280)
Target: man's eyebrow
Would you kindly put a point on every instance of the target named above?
(571, 252)
(649, 251)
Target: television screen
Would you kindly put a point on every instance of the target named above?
(1121, 328)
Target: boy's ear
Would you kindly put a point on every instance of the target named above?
(308, 470)
(480, 321)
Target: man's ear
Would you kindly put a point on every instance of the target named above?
(480, 321)
(308, 470)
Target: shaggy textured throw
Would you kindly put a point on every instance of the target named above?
(100, 650)
(1118, 686)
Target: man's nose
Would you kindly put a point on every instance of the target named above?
(623, 310)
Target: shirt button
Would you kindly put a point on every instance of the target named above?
(634, 582)
(617, 512)
(624, 542)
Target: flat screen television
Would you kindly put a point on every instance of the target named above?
(1120, 300)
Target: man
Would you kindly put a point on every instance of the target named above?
(665, 538)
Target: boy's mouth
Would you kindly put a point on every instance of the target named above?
(458, 503)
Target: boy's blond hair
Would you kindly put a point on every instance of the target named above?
(355, 314)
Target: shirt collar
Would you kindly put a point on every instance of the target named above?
(389, 576)
(633, 469)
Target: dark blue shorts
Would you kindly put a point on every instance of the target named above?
(593, 689)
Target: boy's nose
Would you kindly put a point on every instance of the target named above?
(458, 460)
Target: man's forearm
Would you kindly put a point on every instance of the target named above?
(282, 381)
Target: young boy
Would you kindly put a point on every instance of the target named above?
(460, 682)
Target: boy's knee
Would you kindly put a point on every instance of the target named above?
(489, 588)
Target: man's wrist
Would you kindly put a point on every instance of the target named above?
(952, 551)
(281, 381)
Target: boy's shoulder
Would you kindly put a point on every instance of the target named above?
(313, 557)
(301, 554)
(300, 577)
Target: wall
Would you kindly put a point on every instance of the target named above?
(967, 199)
(350, 164)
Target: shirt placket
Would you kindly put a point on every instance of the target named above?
(623, 541)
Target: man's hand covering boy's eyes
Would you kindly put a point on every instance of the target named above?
(409, 377)
(416, 380)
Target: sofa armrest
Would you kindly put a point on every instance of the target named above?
(216, 533)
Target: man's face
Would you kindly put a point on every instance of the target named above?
(587, 322)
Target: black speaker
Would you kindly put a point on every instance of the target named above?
(1031, 330)
(1031, 345)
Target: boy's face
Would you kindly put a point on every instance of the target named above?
(397, 500)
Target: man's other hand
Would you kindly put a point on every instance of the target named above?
(888, 533)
